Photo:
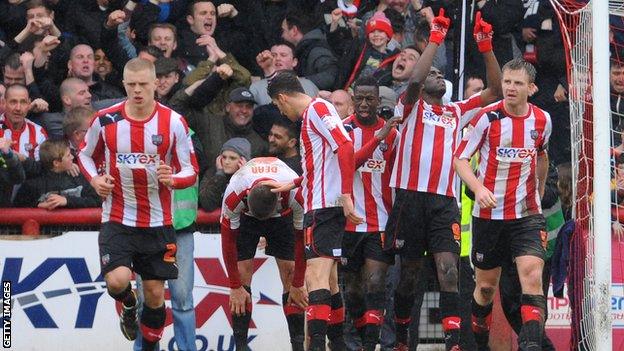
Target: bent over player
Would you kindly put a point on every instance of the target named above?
(425, 215)
(250, 210)
(147, 151)
(511, 137)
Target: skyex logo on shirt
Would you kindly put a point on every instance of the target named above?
(373, 166)
(515, 154)
(137, 160)
(446, 120)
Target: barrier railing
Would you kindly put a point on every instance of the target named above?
(30, 220)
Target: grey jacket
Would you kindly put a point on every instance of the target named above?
(316, 60)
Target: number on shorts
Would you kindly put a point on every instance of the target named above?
(170, 254)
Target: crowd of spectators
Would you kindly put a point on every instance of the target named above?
(62, 60)
(214, 60)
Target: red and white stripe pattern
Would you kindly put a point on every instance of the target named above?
(28, 138)
(508, 148)
(424, 159)
(131, 151)
(322, 133)
(372, 195)
(252, 173)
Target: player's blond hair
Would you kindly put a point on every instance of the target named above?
(139, 64)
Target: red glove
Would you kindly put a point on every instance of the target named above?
(439, 28)
(483, 34)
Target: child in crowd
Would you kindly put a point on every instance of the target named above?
(55, 188)
(75, 127)
(234, 154)
(367, 58)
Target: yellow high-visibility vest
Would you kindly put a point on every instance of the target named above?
(466, 222)
(466, 214)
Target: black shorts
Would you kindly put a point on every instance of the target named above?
(423, 222)
(494, 241)
(278, 232)
(150, 252)
(324, 229)
(360, 246)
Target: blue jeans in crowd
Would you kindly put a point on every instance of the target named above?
(181, 290)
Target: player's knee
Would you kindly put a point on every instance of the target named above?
(486, 291)
(532, 278)
(376, 281)
(115, 285)
(154, 294)
(448, 277)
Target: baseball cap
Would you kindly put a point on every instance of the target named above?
(166, 65)
(242, 94)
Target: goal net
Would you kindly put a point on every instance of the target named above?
(575, 18)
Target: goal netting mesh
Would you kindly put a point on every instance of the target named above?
(575, 17)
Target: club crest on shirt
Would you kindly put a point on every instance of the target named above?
(534, 134)
(29, 147)
(383, 147)
(157, 139)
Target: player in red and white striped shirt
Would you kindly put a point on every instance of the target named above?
(511, 137)
(425, 216)
(251, 210)
(142, 144)
(374, 142)
(328, 167)
(25, 135)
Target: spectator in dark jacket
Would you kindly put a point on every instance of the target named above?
(316, 60)
(74, 92)
(82, 65)
(283, 142)
(54, 188)
(234, 154)
(13, 18)
(231, 75)
(11, 172)
(616, 80)
(84, 19)
(505, 16)
(13, 71)
(168, 76)
(104, 69)
(230, 34)
(39, 23)
(214, 130)
(541, 29)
